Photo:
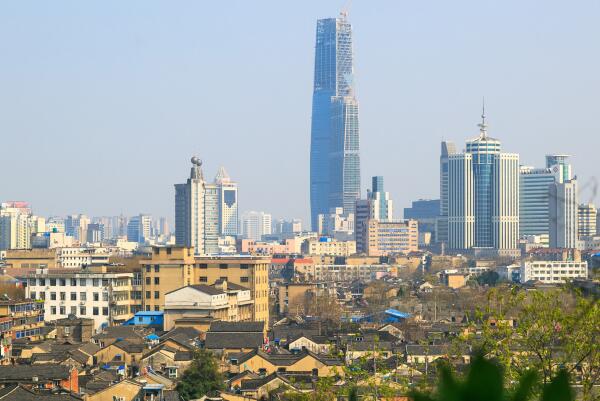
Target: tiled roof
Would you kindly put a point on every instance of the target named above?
(231, 327)
(225, 340)
(25, 373)
(18, 393)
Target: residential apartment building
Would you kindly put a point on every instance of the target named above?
(377, 206)
(336, 224)
(553, 272)
(100, 293)
(292, 297)
(22, 318)
(328, 246)
(564, 207)
(78, 257)
(384, 238)
(347, 272)
(221, 301)
(255, 225)
(586, 220)
(171, 268)
(31, 258)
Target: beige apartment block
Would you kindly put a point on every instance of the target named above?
(173, 267)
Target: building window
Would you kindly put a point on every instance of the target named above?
(53, 310)
(156, 280)
(63, 296)
(203, 266)
(156, 294)
(244, 279)
(96, 282)
(96, 297)
(148, 269)
(147, 308)
(53, 296)
(244, 266)
(147, 280)
(95, 311)
(156, 268)
(105, 296)
(82, 296)
(42, 281)
(73, 296)
(156, 308)
(147, 294)
(73, 282)
(62, 282)
(82, 282)
(203, 279)
(73, 312)
(53, 282)
(32, 295)
(223, 266)
(105, 311)
(104, 282)
(82, 310)
(62, 310)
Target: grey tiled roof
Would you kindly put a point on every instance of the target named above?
(219, 340)
(25, 373)
(230, 327)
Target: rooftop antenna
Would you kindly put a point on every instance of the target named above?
(345, 8)
(483, 126)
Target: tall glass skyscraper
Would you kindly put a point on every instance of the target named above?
(334, 148)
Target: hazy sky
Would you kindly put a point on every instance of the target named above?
(103, 103)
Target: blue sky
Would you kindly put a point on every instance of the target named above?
(102, 104)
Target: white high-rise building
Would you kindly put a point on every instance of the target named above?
(483, 201)
(564, 206)
(17, 224)
(255, 225)
(205, 211)
(378, 206)
(228, 204)
(189, 210)
(461, 217)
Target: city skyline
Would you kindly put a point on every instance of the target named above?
(80, 127)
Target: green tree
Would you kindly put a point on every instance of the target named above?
(201, 377)
(543, 332)
(485, 382)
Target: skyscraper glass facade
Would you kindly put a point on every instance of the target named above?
(334, 153)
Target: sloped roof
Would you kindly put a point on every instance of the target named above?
(225, 340)
(231, 327)
(48, 371)
(18, 393)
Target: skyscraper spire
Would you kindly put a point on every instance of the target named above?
(483, 126)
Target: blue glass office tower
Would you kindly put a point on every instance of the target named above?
(334, 148)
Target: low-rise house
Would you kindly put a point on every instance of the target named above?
(124, 351)
(169, 361)
(235, 336)
(316, 344)
(125, 390)
(181, 338)
(112, 334)
(21, 393)
(360, 349)
(48, 377)
(73, 328)
(420, 354)
(264, 364)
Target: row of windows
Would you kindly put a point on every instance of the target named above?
(28, 333)
(72, 296)
(62, 282)
(82, 310)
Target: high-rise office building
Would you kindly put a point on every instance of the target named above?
(563, 214)
(378, 206)
(139, 228)
(586, 220)
(560, 165)
(448, 148)
(255, 225)
(228, 203)
(534, 203)
(483, 201)
(334, 152)
(205, 211)
(189, 210)
(95, 232)
(76, 226)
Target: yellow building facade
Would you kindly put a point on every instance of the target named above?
(173, 267)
